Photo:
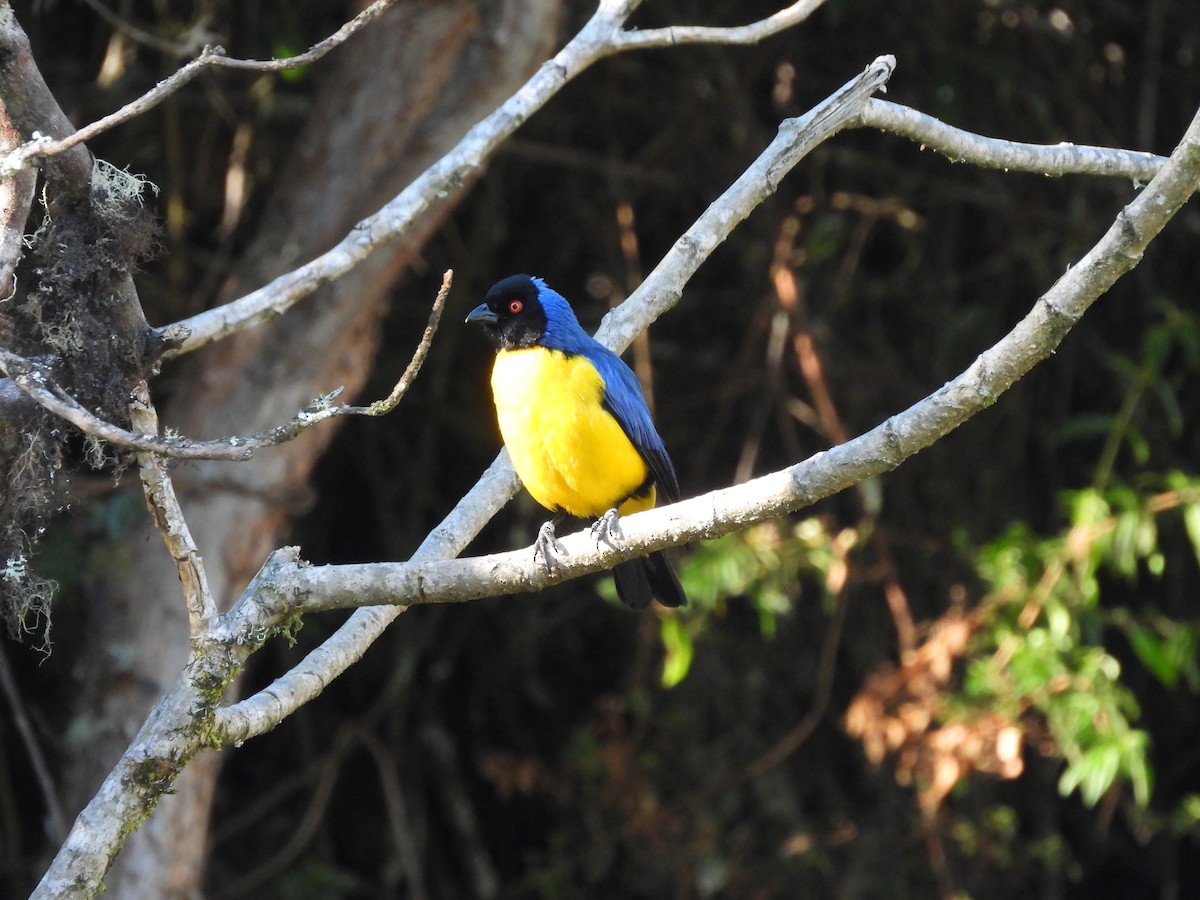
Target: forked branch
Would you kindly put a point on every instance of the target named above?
(212, 56)
(303, 588)
(603, 35)
(41, 388)
(658, 293)
(187, 718)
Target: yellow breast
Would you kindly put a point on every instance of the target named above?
(569, 451)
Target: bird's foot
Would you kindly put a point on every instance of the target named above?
(607, 529)
(547, 547)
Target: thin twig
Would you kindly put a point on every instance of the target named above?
(30, 378)
(212, 56)
(388, 403)
(753, 33)
(164, 506)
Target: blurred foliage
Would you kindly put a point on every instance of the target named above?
(976, 677)
(763, 565)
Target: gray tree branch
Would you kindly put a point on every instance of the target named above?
(39, 387)
(602, 36)
(188, 718)
(42, 145)
(182, 722)
(163, 504)
(753, 33)
(302, 588)
(659, 292)
(992, 153)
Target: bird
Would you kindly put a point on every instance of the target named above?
(578, 431)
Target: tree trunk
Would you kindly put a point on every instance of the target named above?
(401, 93)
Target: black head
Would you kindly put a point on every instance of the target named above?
(511, 313)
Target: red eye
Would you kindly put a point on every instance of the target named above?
(515, 307)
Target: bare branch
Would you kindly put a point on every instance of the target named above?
(168, 518)
(963, 146)
(212, 56)
(661, 290)
(43, 390)
(429, 580)
(700, 34)
(388, 403)
(185, 719)
(395, 218)
(600, 37)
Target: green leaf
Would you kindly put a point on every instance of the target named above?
(1093, 773)
(679, 647)
(1139, 446)
(1135, 765)
(1187, 814)
(1088, 508)
(1153, 655)
(1191, 521)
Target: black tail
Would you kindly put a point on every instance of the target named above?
(648, 578)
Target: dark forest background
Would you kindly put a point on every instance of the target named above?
(1030, 582)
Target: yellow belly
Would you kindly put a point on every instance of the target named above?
(569, 451)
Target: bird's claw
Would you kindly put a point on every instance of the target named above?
(547, 547)
(607, 529)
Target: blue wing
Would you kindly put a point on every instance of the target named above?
(624, 399)
(623, 396)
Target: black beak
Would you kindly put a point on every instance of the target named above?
(483, 315)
